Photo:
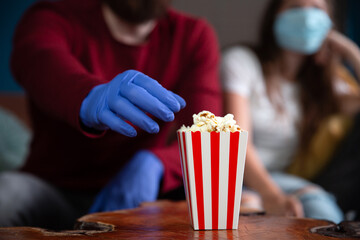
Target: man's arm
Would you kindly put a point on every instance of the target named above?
(142, 174)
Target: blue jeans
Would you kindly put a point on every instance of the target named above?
(317, 203)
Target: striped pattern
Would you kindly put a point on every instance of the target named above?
(213, 167)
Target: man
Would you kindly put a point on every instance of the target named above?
(98, 75)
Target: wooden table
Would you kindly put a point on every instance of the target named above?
(169, 220)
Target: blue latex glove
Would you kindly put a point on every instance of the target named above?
(127, 97)
(137, 182)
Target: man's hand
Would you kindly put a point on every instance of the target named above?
(128, 97)
(137, 182)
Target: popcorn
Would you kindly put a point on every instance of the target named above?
(206, 121)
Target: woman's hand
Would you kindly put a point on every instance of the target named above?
(345, 48)
(342, 45)
(283, 205)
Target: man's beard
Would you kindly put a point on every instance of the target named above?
(138, 11)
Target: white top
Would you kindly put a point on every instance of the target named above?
(275, 135)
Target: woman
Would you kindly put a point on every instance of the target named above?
(281, 90)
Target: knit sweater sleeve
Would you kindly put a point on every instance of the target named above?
(43, 63)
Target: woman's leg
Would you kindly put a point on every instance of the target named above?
(317, 203)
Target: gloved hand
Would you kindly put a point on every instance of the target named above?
(127, 97)
(137, 182)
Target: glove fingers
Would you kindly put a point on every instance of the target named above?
(115, 123)
(147, 102)
(179, 99)
(128, 111)
(158, 91)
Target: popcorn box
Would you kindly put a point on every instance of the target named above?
(213, 168)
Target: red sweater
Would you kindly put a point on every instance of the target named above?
(63, 49)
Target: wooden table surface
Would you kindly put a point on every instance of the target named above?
(169, 220)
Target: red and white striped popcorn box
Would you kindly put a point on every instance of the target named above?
(213, 168)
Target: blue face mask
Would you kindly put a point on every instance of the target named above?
(302, 30)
